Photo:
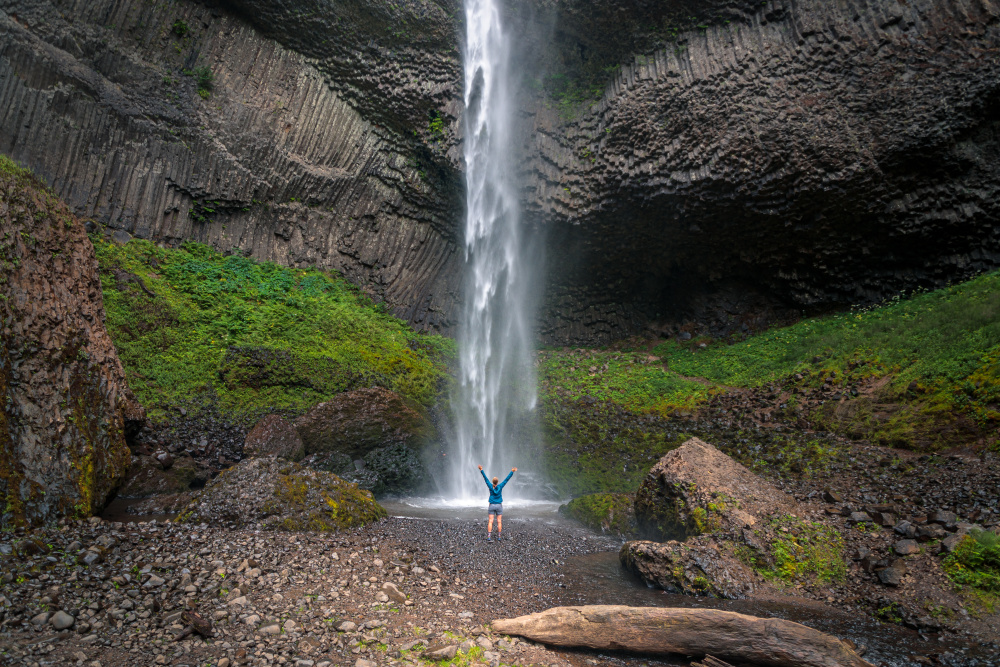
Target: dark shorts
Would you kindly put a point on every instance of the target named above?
(496, 508)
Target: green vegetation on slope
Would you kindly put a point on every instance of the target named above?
(921, 372)
(251, 336)
(976, 562)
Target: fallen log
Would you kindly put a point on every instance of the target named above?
(691, 632)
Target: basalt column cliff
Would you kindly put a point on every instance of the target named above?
(726, 163)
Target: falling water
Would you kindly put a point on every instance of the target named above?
(496, 393)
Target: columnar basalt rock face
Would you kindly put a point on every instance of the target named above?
(65, 407)
(819, 153)
(745, 161)
(275, 161)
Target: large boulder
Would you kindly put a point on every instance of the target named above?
(697, 489)
(276, 494)
(728, 532)
(273, 436)
(66, 407)
(357, 422)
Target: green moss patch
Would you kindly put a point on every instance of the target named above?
(251, 336)
(605, 512)
(798, 551)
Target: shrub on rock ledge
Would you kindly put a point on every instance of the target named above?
(280, 495)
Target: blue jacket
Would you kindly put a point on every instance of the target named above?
(496, 495)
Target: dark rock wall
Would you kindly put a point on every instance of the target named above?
(65, 407)
(274, 163)
(740, 163)
(812, 154)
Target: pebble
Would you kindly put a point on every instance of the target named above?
(61, 620)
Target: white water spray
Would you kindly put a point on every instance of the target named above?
(496, 395)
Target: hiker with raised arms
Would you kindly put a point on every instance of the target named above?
(496, 502)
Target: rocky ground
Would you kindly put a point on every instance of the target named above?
(396, 593)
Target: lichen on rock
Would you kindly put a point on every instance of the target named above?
(281, 495)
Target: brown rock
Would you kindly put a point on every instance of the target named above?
(693, 569)
(690, 632)
(62, 448)
(697, 489)
(273, 436)
(356, 422)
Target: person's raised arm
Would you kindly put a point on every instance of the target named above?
(485, 478)
(507, 479)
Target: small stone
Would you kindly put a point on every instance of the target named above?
(361, 662)
(270, 628)
(241, 601)
(441, 652)
(484, 643)
(832, 497)
(950, 543)
(393, 592)
(943, 518)
(61, 620)
(291, 626)
(906, 547)
(91, 557)
(154, 582)
(224, 662)
(41, 619)
(346, 626)
(858, 517)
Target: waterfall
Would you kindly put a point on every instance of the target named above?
(496, 394)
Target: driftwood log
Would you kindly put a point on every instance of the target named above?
(691, 632)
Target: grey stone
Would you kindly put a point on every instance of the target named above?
(61, 620)
(906, 547)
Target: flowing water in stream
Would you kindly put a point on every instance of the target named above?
(496, 394)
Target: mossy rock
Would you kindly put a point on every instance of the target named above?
(606, 512)
(281, 495)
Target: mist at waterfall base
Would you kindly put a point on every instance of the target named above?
(495, 424)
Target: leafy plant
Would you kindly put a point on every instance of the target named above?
(976, 562)
(180, 28)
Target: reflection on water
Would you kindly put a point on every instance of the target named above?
(470, 509)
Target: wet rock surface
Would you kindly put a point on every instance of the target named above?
(272, 493)
(65, 406)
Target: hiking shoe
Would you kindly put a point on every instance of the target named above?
(489, 538)
(498, 538)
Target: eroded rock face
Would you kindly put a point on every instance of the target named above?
(273, 436)
(66, 405)
(281, 495)
(739, 163)
(787, 155)
(357, 422)
(296, 156)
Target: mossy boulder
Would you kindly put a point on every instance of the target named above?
(274, 436)
(725, 532)
(606, 512)
(357, 422)
(696, 489)
(276, 494)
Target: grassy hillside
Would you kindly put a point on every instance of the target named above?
(251, 336)
(921, 372)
